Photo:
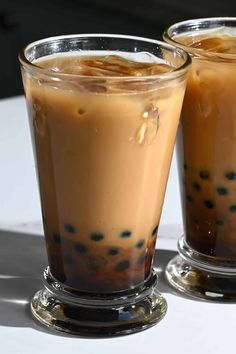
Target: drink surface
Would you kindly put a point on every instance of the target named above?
(109, 65)
(217, 44)
(207, 147)
(103, 151)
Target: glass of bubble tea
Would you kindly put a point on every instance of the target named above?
(206, 265)
(103, 112)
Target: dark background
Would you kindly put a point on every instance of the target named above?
(23, 21)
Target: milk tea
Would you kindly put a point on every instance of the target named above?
(103, 146)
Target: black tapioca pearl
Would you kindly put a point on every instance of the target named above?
(70, 228)
(154, 231)
(204, 174)
(113, 251)
(57, 238)
(209, 204)
(94, 266)
(222, 190)
(126, 233)
(185, 166)
(97, 237)
(122, 266)
(231, 175)
(232, 208)
(196, 186)
(189, 198)
(140, 244)
(220, 221)
(96, 263)
(80, 247)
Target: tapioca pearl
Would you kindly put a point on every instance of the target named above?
(93, 266)
(113, 251)
(220, 221)
(232, 208)
(231, 175)
(126, 233)
(209, 204)
(196, 186)
(189, 198)
(70, 228)
(97, 237)
(140, 244)
(154, 231)
(57, 238)
(204, 174)
(80, 247)
(122, 266)
(222, 190)
(185, 166)
(96, 263)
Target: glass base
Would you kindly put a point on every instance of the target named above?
(95, 315)
(197, 276)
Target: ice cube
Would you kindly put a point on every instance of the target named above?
(222, 44)
(149, 126)
(114, 65)
(205, 105)
(94, 68)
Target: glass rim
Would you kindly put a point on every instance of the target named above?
(173, 73)
(199, 52)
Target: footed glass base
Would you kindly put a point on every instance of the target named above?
(92, 315)
(200, 276)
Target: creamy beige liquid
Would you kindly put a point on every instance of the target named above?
(207, 157)
(103, 152)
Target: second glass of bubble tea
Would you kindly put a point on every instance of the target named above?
(206, 265)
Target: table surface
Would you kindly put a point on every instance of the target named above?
(189, 326)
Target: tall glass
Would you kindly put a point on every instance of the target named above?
(206, 265)
(103, 145)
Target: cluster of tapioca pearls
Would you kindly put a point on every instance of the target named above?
(81, 248)
(220, 190)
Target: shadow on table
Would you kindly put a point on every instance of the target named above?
(22, 260)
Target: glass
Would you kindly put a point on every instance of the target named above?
(103, 141)
(206, 265)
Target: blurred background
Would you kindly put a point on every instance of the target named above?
(23, 21)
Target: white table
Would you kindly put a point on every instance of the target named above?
(190, 326)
